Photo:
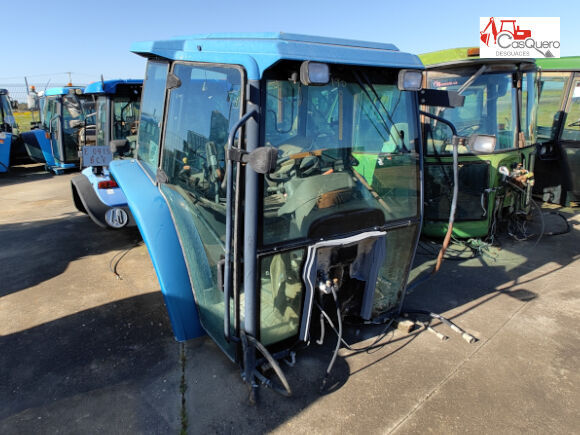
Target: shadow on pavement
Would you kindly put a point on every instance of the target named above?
(109, 366)
(35, 251)
(24, 173)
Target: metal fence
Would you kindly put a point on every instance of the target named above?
(18, 92)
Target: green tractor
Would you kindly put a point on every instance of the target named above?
(558, 157)
(495, 183)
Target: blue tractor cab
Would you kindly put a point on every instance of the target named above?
(117, 115)
(276, 174)
(8, 130)
(65, 125)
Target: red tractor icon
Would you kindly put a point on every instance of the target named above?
(507, 26)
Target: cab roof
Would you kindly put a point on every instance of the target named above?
(256, 52)
(571, 63)
(109, 86)
(464, 56)
(61, 90)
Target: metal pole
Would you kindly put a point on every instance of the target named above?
(252, 300)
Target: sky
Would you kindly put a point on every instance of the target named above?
(92, 38)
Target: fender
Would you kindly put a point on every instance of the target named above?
(87, 201)
(5, 143)
(38, 146)
(153, 218)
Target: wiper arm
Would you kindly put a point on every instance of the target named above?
(471, 79)
(372, 88)
(466, 85)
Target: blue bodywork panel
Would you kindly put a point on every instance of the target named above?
(62, 90)
(111, 197)
(109, 86)
(39, 149)
(38, 146)
(5, 143)
(258, 51)
(155, 223)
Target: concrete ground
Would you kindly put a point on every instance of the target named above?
(82, 351)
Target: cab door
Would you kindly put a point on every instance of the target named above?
(204, 102)
(570, 139)
(54, 123)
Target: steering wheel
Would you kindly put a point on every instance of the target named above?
(474, 126)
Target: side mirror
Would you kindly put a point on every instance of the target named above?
(440, 98)
(119, 146)
(262, 160)
(481, 143)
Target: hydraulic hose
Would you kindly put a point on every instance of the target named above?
(515, 186)
(338, 341)
(452, 210)
(287, 391)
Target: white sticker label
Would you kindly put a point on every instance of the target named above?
(96, 155)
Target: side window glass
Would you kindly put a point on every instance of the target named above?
(200, 114)
(49, 112)
(550, 102)
(572, 123)
(529, 107)
(152, 114)
(101, 120)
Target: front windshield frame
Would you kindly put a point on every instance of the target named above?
(522, 109)
(414, 143)
(6, 116)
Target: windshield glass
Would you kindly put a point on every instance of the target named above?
(348, 148)
(489, 109)
(125, 118)
(87, 103)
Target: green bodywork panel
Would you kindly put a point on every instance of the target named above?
(448, 55)
(477, 228)
(571, 63)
